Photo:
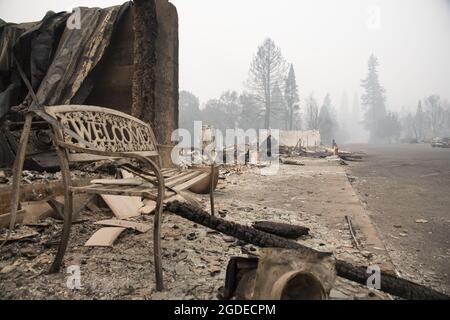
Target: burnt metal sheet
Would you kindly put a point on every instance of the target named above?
(33, 45)
(79, 52)
(58, 60)
(6, 153)
(60, 63)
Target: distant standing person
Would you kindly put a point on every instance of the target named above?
(335, 147)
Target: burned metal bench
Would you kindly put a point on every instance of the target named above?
(88, 133)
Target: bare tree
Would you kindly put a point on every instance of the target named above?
(189, 106)
(431, 120)
(312, 113)
(267, 70)
(392, 127)
(374, 103)
(223, 113)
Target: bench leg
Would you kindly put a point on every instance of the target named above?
(68, 212)
(17, 173)
(157, 230)
(211, 189)
(157, 248)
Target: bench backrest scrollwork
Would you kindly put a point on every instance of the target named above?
(105, 130)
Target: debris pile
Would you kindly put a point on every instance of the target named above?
(110, 240)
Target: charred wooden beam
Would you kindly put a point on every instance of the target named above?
(389, 283)
(281, 229)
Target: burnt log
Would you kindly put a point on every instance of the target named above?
(292, 162)
(389, 283)
(284, 230)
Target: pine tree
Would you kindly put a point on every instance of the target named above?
(356, 110)
(327, 121)
(344, 116)
(291, 98)
(419, 122)
(358, 134)
(373, 101)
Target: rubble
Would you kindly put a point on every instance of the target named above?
(352, 231)
(104, 237)
(279, 274)
(3, 178)
(141, 227)
(288, 275)
(194, 257)
(6, 218)
(123, 207)
(20, 233)
(292, 162)
(337, 159)
(323, 153)
(226, 171)
(391, 283)
(33, 177)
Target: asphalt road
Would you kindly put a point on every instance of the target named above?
(406, 189)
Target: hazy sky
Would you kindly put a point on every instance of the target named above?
(328, 42)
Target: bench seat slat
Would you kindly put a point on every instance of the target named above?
(170, 171)
(86, 157)
(190, 183)
(179, 175)
(118, 190)
(178, 183)
(167, 173)
(182, 178)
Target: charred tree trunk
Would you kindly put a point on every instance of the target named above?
(389, 283)
(145, 28)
